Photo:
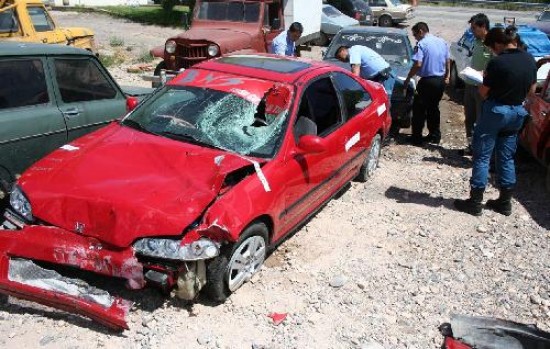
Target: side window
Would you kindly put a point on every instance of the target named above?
(8, 22)
(23, 83)
(81, 80)
(319, 107)
(356, 98)
(378, 3)
(40, 19)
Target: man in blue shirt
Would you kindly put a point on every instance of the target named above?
(284, 44)
(432, 65)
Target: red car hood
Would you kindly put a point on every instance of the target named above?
(119, 184)
(228, 39)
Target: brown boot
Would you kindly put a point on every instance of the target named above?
(503, 204)
(472, 205)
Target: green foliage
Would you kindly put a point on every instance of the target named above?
(149, 14)
(168, 5)
(112, 60)
(115, 41)
(145, 57)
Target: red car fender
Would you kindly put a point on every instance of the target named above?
(451, 343)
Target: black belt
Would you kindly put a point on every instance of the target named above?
(432, 77)
(382, 75)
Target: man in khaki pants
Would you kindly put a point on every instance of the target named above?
(481, 55)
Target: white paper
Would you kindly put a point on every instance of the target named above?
(381, 109)
(352, 141)
(471, 75)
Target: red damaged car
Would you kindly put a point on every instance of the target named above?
(191, 189)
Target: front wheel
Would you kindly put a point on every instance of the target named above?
(385, 21)
(160, 66)
(237, 263)
(371, 162)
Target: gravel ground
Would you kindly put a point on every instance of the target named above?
(380, 267)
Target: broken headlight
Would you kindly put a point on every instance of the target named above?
(173, 249)
(20, 203)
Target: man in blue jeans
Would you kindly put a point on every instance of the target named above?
(509, 77)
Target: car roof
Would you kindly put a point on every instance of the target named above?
(31, 49)
(264, 66)
(366, 29)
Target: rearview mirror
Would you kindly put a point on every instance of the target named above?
(312, 144)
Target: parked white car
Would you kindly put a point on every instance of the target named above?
(390, 12)
(332, 20)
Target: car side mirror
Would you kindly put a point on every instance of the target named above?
(131, 103)
(312, 144)
(276, 24)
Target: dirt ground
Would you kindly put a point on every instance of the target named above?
(380, 267)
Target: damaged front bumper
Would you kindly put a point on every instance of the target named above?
(22, 278)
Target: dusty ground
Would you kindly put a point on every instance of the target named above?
(404, 258)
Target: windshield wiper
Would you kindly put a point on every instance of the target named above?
(189, 138)
(136, 126)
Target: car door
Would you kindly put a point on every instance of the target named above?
(360, 124)
(88, 97)
(312, 175)
(31, 125)
(44, 26)
(378, 7)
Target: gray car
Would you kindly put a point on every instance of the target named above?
(332, 20)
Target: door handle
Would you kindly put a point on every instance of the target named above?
(71, 112)
(44, 40)
(543, 113)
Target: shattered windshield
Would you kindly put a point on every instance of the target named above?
(233, 11)
(393, 47)
(213, 118)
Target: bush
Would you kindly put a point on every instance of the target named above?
(115, 41)
(168, 5)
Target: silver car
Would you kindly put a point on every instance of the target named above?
(332, 20)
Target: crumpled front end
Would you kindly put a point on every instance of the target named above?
(21, 275)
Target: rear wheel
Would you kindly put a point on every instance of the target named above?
(368, 168)
(237, 263)
(385, 21)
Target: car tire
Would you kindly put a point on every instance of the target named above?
(222, 273)
(370, 164)
(160, 66)
(455, 81)
(385, 21)
(322, 40)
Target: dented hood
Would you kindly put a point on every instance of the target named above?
(119, 184)
(228, 39)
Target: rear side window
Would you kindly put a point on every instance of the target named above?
(40, 19)
(81, 80)
(23, 83)
(356, 98)
(8, 22)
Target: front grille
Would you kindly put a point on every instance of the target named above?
(188, 55)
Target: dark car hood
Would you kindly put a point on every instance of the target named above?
(229, 39)
(119, 184)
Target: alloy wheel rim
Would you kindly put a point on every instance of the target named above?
(246, 261)
(373, 157)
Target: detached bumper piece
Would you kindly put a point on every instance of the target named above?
(21, 277)
(469, 332)
(24, 279)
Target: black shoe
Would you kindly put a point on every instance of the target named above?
(472, 205)
(417, 141)
(503, 204)
(432, 139)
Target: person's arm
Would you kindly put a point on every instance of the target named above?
(356, 69)
(414, 70)
(491, 71)
(447, 71)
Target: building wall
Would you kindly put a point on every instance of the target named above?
(89, 3)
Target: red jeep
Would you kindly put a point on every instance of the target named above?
(535, 136)
(236, 26)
